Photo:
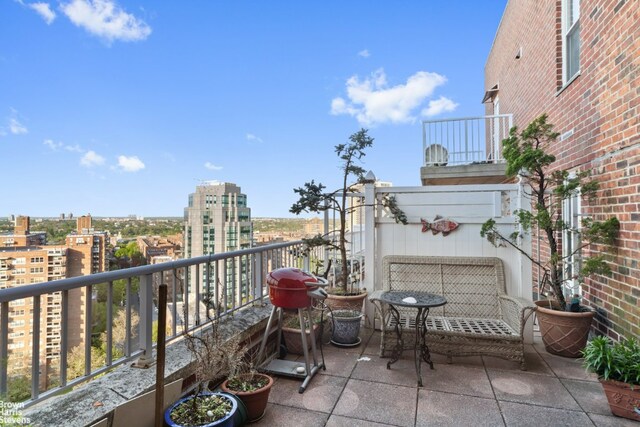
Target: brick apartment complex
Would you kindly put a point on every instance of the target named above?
(26, 259)
(579, 61)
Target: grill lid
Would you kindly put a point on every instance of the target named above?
(291, 278)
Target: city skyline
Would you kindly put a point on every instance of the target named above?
(114, 108)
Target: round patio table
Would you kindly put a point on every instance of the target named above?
(422, 302)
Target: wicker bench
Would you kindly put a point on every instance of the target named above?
(478, 319)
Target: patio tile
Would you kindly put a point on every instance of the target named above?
(340, 362)
(517, 414)
(339, 421)
(590, 396)
(403, 372)
(321, 395)
(565, 367)
(373, 345)
(445, 409)
(535, 364)
(277, 415)
(531, 388)
(612, 421)
(382, 403)
(458, 379)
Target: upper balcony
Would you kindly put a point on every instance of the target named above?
(464, 151)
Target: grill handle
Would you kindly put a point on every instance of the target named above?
(321, 281)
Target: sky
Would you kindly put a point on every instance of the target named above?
(122, 107)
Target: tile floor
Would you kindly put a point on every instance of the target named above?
(357, 390)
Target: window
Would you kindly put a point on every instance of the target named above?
(35, 270)
(570, 39)
(571, 243)
(37, 260)
(19, 271)
(19, 261)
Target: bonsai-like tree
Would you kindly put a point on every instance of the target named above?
(526, 156)
(313, 198)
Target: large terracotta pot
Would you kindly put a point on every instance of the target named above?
(255, 401)
(293, 338)
(346, 302)
(563, 332)
(623, 399)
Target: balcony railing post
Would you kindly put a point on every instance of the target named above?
(306, 262)
(257, 271)
(4, 347)
(369, 239)
(146, 322)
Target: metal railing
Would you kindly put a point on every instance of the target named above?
(200, 289)
(465, 141)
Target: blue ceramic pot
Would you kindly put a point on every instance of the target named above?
(227, 421)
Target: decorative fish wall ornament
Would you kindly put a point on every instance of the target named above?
(439, 224)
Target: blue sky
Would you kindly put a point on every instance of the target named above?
(123, 107)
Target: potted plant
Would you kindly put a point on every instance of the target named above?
(216, 357)
(253, 389)
(346, 292)
(291, 332)
(313, 198)
(618, 369)
(564, 327)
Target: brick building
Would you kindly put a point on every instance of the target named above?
(28, 260)
(579, 61)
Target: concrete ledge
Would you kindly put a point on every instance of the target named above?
(487, 173)
(97, 399)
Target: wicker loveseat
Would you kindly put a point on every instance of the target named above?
(478, 319)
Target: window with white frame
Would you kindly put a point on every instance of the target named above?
(571, 244)
(570, 39)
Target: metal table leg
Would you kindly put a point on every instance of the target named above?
(421, 343)
(399, 347)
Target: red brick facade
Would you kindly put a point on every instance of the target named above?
(599, 113)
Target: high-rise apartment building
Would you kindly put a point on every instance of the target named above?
(26, 259)
(218, 220)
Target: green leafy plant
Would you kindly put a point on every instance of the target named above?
(314, 198)
(614, 361)
(526, 156)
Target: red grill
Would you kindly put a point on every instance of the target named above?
(293, 288)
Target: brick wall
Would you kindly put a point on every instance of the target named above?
(601, 107)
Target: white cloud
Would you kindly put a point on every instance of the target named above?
(51, 144)
(130, 164)
(15, 127)
(364, 53)
(74, 148)
(371, 101)
(55, 146)
(439, 106)
(252, 137)
(91, 158)
(212, 167)
(105, 19)
(44, 10)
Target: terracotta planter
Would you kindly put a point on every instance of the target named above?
(623, 400)
(563, 333)
(348, 302)
(293, 339)
(255, 401)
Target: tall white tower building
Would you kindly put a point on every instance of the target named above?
(218, 220)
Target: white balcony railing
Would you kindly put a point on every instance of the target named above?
(464, 141)
(211, 283)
